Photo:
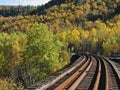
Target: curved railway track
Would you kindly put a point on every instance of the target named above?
(89, 72)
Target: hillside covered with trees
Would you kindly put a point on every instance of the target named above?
(36, 42)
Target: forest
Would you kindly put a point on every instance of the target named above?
(36, 42)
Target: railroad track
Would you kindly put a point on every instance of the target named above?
(89, 72)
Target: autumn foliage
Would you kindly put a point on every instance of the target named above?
(37, 43)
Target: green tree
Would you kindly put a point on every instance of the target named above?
(41, 55)
(11, 48)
